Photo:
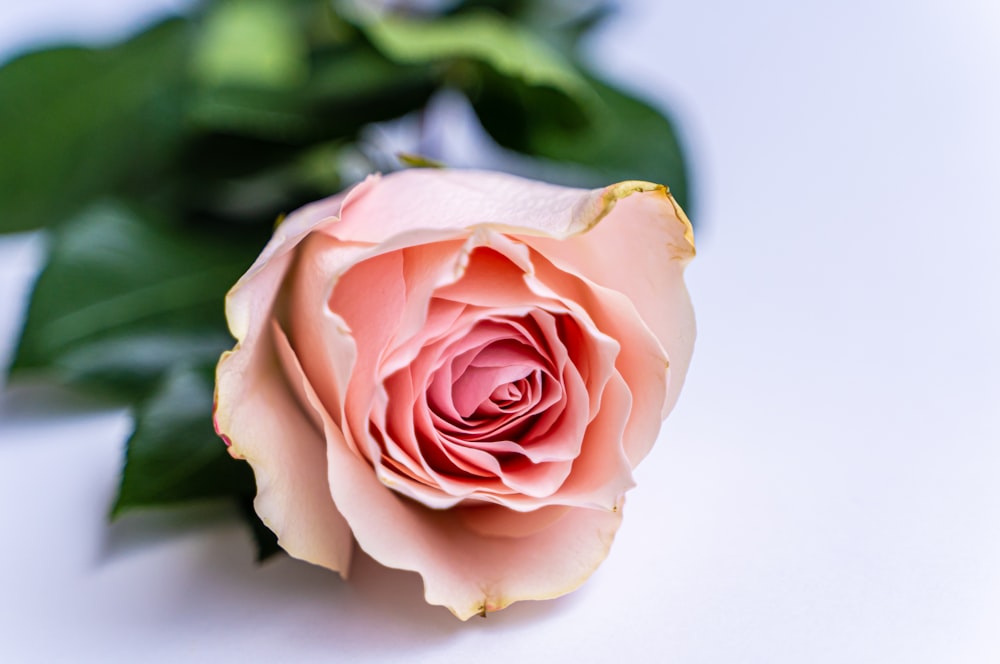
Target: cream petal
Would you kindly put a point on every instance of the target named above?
(316, 333)
(499, 521)
(639, 249)
(602, 472)
(258, 416)
(257, 412)
(460, 199)
(275, 257)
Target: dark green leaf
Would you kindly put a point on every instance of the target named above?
(132, 361)
(562, 22)
(256, 153)
(76, 123)
(485, 37)
(123, 297)
(174, 454)
(533, 100)
(264, 537)
(347, 88)
(623, 137)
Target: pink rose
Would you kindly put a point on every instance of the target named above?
(459, 370)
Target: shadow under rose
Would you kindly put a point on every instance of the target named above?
(138, 529)
(216, 583)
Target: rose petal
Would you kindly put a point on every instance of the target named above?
(641, 360)
(459, 199)
(257, 412)
(314, 331)
(646, 231)
(275, 258)
(497, 521)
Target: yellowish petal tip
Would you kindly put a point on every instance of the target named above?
(616, 192)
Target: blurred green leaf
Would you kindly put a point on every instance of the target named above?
(124, 295)
(562, 22)
(348, 87)
(257, 153)
(76, 123)
(625, 138)
(533, 100)
(256, 43)
(174, 454)
(485, 37)
(130, 362)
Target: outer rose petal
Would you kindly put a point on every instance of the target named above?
(258, 413)
(459, 199)
(272, 264)
(255, 408)
(638, 231)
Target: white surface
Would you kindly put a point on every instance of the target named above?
(827, 488)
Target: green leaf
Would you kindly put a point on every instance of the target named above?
(257, 153)
(256, 43)
(485, 37)
(174, 454)
(264, 537)
(533, 100)
(132, 361)
(347, 88)
(76, 123)
(562, 23)
(123, 297)
(624, 137)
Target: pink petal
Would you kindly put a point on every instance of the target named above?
(457, 199)
(497, 521)
(314, 331)
(639, 249)
(602, 473)
(641, 361)
(275, 259)
(267, 427)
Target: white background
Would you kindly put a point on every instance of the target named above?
(827, 489)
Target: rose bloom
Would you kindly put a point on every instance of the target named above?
(459, 370)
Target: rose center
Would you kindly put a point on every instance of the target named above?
(487, 391)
